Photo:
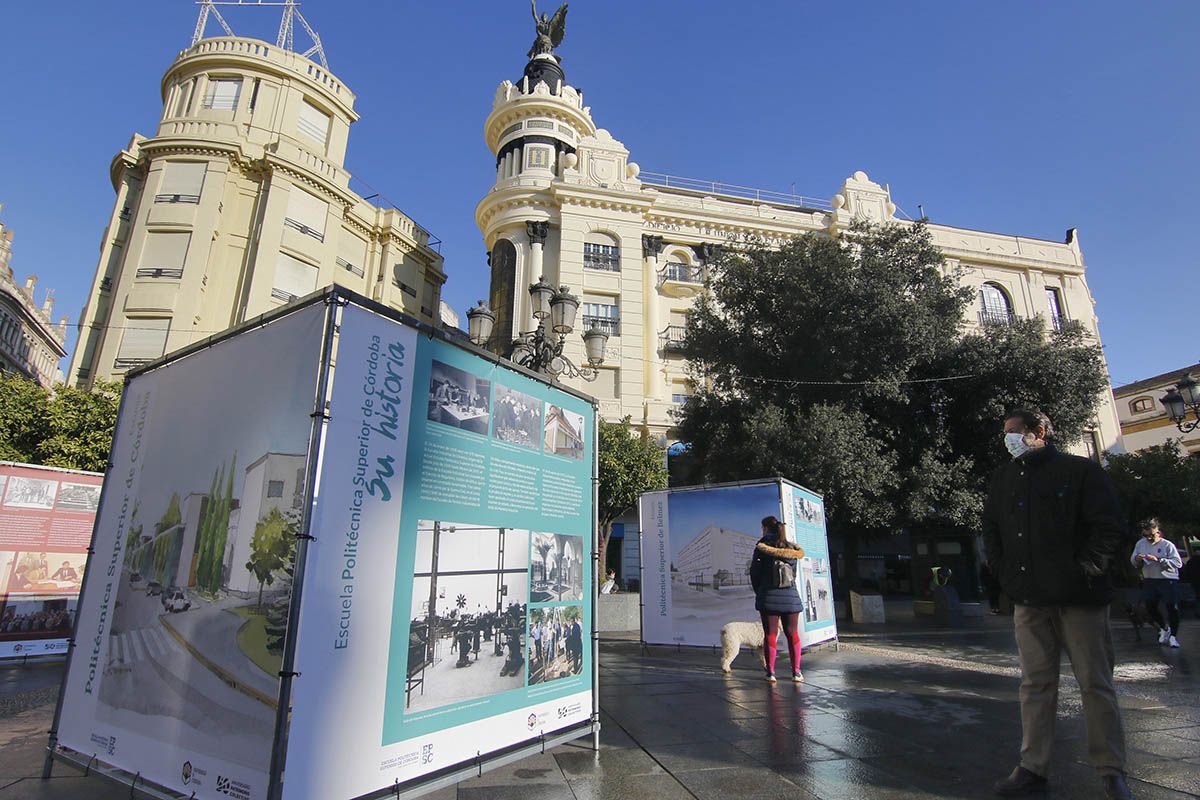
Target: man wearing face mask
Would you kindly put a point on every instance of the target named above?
(1051, 524)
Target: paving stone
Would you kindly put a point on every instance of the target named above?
(630, 787)
(606, 763)
(745, 783)
(677, 758)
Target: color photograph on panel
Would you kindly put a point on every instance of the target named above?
(555, 643)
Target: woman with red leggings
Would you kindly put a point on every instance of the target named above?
(776, 596)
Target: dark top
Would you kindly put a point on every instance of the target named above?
(770, 600)
(1051, 523)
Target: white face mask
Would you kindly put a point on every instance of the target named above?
(1016, 444)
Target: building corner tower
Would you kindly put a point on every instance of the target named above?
(238, 204)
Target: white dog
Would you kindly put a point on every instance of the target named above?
(735, 635)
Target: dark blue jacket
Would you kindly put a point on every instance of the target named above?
(767, 599)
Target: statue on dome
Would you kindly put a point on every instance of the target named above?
(550, 30)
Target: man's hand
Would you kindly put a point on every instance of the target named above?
(1150, 557)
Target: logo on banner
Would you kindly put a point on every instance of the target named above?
(427, 754)
(187, 772)
(232, 788)
(531, 723)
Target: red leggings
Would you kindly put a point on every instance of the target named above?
(770, 623)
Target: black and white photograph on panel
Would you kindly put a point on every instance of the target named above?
(23, 492)
(83, 497)
(563, 432)
(555, 643)
(556, 568)
(459, 399)
(466, 636)
(517, 417)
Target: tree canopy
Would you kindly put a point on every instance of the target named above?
(67, 427)
(844, 365)
(1160, 482)
(630, 464)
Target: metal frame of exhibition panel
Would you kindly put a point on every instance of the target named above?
(777, 481)
(334, 298)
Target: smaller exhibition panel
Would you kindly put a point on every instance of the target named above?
(46, 519)
(696, 547)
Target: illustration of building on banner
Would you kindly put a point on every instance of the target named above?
(273, 484)
(718, 556)
(564, 432)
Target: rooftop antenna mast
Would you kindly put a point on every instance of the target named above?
(287, 25)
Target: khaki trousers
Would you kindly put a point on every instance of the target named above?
(1042, 634)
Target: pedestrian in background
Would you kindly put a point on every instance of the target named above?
(1051, 523)
(1160, 563)
(776, 598)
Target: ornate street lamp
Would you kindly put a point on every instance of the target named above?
(1185, 396)
(541, 350)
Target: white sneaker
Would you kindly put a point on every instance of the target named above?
(1163, 635)
(1173, 642)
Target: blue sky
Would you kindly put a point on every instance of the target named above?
(1019, 117)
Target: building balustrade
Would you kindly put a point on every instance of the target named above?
(607, 324)
(307, 231)
(994, 317)
(678, 272)
(172, 198)
(610, 262)
(160, 272)
(671, 339)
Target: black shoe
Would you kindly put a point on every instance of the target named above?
(1021, 783)
(1115, 788)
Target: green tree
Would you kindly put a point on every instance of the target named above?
(23, 418)
(630, 464)
(171, 517)
(221, 535)
(67, 427)
(81, 426)
(272, 548)
(1160, 482)
(842, 364)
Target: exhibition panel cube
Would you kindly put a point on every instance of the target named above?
(338, 554)
(696, 546)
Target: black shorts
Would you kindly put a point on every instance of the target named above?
(1156, 590)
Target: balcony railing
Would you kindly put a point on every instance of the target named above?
(175, 198)
(344, 264)
(280, 294)
(993, 317)
(680, 273)
(404, 287)
(130, 363)
(610, 262)
(607, 324)
(307, 231)
(160, 272)
(672, 338)
(1057, 322)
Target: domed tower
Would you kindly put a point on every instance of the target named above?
(534, 131)
(240, 203)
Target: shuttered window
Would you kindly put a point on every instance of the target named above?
(163, 255)
(182, 182)
(293, 278)
(223, 94)
(313, 123)
(306, 213)
(144, 340)
(352, 253)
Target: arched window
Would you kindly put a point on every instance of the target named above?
(994, 307)
(1141, 405)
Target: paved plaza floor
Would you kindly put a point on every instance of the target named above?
(900, 712)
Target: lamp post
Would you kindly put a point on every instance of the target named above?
(1178, 401)
(541, 349)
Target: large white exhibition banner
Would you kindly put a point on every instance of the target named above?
(446, 602)
(804, 515)
(175, 673)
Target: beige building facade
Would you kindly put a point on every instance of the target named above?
(30, 343)
(1144, 420)
(570, 204)
(238, 204)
